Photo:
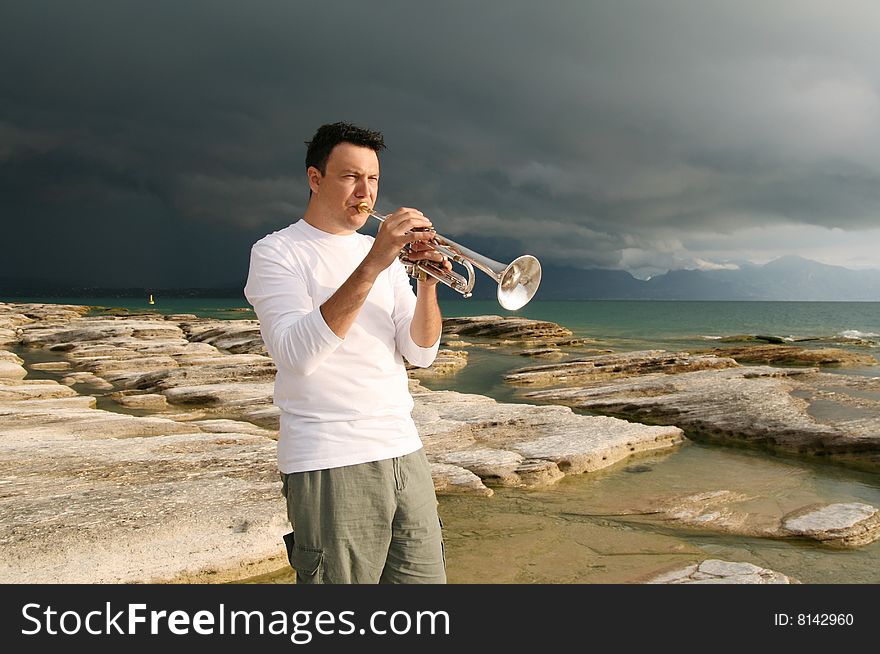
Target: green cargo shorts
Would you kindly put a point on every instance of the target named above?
(364, 524)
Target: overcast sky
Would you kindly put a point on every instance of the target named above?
(151, 143)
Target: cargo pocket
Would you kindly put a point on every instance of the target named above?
(308, 563)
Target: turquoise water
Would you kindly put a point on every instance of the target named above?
(673, 325)
(645, 322)
(633, 323)
(223, 308)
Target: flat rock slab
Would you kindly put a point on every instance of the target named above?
(221, 426)
(453, 480)
(839, 525)
(512, 328)
(217, 370)
(843, 525)
(749, 405)
(85, 329)
(610, 366)
(192, 507)
(12, 390)
(526, 445)
(11, 370)
(145, 401)
(792, 355)
(234, 336)
(26, 422)
(714, 571)
(226, 397)
(448, 362)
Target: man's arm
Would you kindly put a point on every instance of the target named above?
(342, 308)
(293, 330)
(427, 322)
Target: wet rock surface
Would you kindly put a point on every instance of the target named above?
(840, 525)
(714, 571)
(509, 328)
(610, 366)
(792, 355)
(791, 410)
(448, 362)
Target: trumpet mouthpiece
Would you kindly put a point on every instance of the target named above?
(363, 207)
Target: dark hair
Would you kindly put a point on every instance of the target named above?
(329, 136)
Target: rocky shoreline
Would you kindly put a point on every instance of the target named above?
(141, 448)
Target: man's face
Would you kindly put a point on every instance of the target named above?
(352, 177)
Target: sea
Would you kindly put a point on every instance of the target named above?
(586, 528)
(626, 324)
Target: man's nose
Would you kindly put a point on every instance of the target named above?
(362, 188)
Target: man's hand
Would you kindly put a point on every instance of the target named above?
(402, 227)
(424, 251)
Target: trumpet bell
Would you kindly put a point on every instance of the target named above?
(519, 282)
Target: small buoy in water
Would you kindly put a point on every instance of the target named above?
(151, 299)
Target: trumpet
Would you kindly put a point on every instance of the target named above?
(517, 281)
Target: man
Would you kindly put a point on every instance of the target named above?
(338, 315)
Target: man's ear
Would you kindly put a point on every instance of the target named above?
(315, 178)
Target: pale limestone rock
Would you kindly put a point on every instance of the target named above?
(450, 479)
(486, 462)
(8, 337)
(188, 507)
(12, 390)
(745, 404)
(713, 571)
(149, 401)
(235, 336)
(610, 366)
(538, 472)
(512, 328)
(11, 370)
(107, 367)
(51, 404)
(447, 362)
(845, 524)
(545, 442)
(232, 397)
(218, 358)
(266, 416)
(219, 426)
(6, 355)
(51, 366)
(793, 355)
(29, 422)
(93, 329)
(544, 353)
(86, 378)
(217, 371)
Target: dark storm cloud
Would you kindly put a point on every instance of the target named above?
(625, 134)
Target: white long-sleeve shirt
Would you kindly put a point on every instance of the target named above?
(343, 401)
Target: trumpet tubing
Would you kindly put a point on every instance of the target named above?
(517, 281)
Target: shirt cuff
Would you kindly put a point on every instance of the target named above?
(322, 329)
(421, 356)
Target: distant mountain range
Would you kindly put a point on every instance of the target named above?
(789, 278)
